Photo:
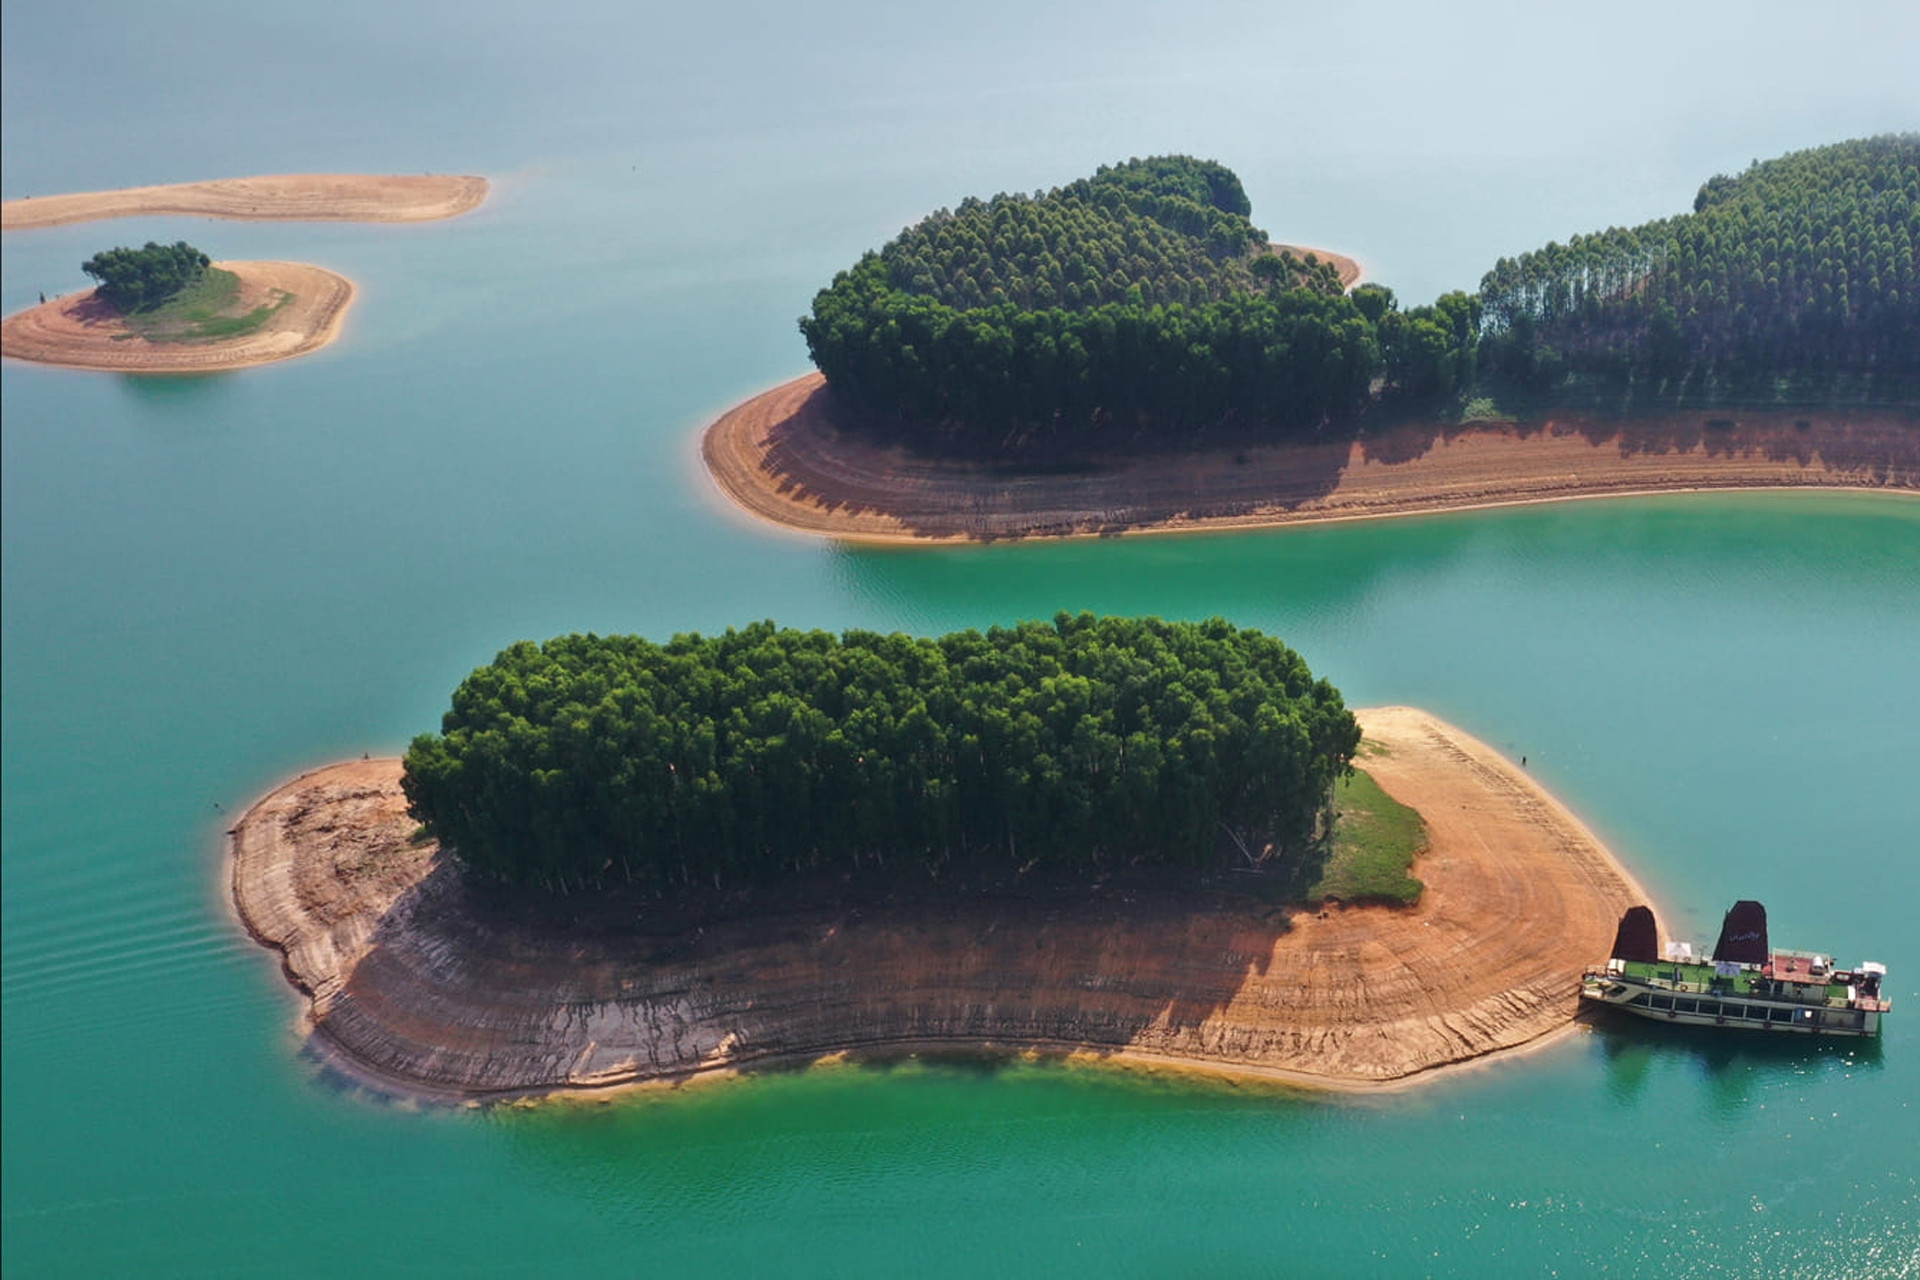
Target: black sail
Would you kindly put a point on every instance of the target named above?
(1637, 938)
(1743, 935)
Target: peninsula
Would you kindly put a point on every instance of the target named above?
(417, 981)
(1129, 354)
(298, 197)
(784, 457)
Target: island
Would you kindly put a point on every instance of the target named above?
(591, 940)
(299, 197)
(171, 309)
(1128, 353)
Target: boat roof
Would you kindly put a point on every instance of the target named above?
(1800, 966)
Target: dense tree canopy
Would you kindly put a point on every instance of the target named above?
(1141, 307)
(1140, 304)
(141, 279)
(1795, 280)
(766, 754)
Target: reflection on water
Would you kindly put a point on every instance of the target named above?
(188, 395)
(1738, 1069)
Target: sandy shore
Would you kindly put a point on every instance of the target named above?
(1351, 272)
(409, 985)
(80, 332)
(302, 197)
(782, 457)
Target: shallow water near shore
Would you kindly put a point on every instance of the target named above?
(211, 583)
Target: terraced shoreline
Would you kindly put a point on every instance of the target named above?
(412, 984)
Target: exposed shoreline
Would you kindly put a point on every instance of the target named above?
(782, 457)
(1350, 269)
(412, 988)
(302, 197)
(78, 331)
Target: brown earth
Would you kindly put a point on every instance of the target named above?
(1350, 270)
(301, 197)
(783, 457)
(81, 331)
(412, 983)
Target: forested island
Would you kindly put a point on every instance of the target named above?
(1125, 351)
(622, 861)
(432, 973)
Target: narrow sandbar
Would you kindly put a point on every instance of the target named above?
(786, 457)
(79, 331)
(411, 983)
(297, 197)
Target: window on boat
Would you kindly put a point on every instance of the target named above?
(1660, 1002)
(1780, 1015)
(1683, 1006)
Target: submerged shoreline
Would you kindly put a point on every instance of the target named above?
(300, 197)
(412, 985)
(782, 458)
(78, 331)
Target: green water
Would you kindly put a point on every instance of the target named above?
(211, 583)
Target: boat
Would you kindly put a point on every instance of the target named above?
(1746, 984)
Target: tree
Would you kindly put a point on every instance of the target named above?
(141, 279)
(767, 754)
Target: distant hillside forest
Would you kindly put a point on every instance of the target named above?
(1140, 307)
(768, 755)
(1794, 282)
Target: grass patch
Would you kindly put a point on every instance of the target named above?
(1374, 840)
(1483, 409)
(206, 311)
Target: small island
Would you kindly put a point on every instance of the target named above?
(299, 197)
(1129, 353)
(171, 309)
(1112, 839)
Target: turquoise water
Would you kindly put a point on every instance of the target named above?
(211, 583)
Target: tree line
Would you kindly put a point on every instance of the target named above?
(1139, 305)
(141, 279)
(767, 754)
(1141, 308)
(1796, 280)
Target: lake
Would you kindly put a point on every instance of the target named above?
(212, 583)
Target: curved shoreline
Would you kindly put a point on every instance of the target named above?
(78, 332)
(1350, 269)
(781, 457)
(411, 986)
(301, 197)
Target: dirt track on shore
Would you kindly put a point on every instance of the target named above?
(79, 331)
(299, 197)
(782, 457)
(410, 987)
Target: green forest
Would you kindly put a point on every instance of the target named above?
(142, 279)
(1795, 281)
(1138, 306)
(768, 755)
(1141, 308)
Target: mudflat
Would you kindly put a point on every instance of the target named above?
(414, 983)
(300, 197)
(786, 457)
(307, 305)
